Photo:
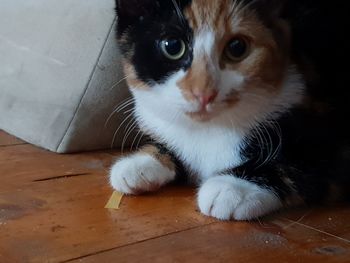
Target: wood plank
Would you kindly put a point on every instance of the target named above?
(8, 140)
(56, 220)
(52, 210)
(233, 242)
(25, 163)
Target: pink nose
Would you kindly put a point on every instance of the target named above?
(206, 98)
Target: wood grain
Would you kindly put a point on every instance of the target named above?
(234, 242)
(25, 163)
(52, 210)
(64, 219)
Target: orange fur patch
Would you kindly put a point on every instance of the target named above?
(164, 159)
(131, 77)
(265, 65)
(197, 80)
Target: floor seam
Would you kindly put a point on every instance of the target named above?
(135, 243)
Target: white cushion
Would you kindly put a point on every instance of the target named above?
(58, 63)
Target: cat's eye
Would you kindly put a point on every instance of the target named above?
(237, 49)
(173, 49)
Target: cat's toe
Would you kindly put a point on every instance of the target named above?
(227, 197)
(139, 173)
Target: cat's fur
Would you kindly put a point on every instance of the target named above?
(256, 135)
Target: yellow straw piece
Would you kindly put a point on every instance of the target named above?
(114, 201)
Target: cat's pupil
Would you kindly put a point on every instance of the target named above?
(236, 49)
(173, 49)
(173, 46)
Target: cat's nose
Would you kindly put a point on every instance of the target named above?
(205, 98)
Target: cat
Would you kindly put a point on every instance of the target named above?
(246, 98)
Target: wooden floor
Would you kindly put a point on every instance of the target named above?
(52, 210)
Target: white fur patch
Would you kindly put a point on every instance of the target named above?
(139, 173)
(204, 43)
(204, 148)
(227, 197)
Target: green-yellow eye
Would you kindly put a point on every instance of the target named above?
(173, 49)
(237, 49)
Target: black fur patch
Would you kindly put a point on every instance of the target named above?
(141, 27)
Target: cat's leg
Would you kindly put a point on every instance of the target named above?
(144, 171)
(241, 194)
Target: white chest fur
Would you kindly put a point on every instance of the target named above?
(207, 152)
(205, 149)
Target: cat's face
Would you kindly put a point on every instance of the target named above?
(206, 60)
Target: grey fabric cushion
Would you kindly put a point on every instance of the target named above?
(58, 64)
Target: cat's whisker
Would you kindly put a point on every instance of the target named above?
(127, 102)
(257, 132)
(139, 141)
(278, 131)
(264, 143)
(135, 138)
(127, 111)
(127, 134)
(119, 127)
(269, 145)
(119, 82)
(125, 105)
(130, 123)
(272, 150)
(123, 102)
(127, 128)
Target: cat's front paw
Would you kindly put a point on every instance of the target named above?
(139, 173)
(227, 197)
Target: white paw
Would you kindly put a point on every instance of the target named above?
(227, 197)
(139, 173)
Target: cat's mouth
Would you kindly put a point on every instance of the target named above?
(201, 116)
(204, 114)
(212, 110)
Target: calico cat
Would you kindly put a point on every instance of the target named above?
(245, 97)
